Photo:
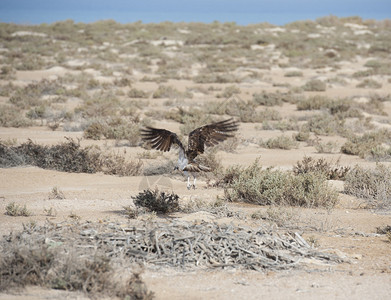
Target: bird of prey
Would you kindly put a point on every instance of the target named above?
(208, 135)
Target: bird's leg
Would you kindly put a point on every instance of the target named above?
(188, 182)
(194, 182)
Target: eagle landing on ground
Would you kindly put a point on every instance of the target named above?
(208, 135)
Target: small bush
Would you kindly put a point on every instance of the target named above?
(15, 210)
(136, 93)
(273, 187)
(372, 185)
(159, 202)
(294, 74)
(366, 144)
(330, 170)
(315, 85)
(369, 84)
(12, 117)
(314, 103)
(56, 193)
(281, 142)
(324, 124)
(164, 91)
(268, 99)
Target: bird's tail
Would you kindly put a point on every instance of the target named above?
(194, 167)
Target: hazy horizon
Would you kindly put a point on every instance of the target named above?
(278, 12)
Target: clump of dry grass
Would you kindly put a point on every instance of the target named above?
(373, 185)
(56, 193)
(274, 187)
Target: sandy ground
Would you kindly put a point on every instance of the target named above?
(349, 230)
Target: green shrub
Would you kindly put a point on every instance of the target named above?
(314, 103)
(274, 187)
(367, 143)
(15, 210)
(372, 185)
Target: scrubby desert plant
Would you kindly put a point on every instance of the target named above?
(280, 142)
(369, 84)
(315, 85)
(331, 170)
(274, 187)
(268, 99)
(366, 144)
(15, 210)
(157, 201)
(373, 185)
(314, 102)
(67, 157)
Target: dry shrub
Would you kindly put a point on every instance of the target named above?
(156, 201)
(372, 185)
(67, 157)
(274, 187)
(330, 170)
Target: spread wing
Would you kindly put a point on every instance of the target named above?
(210, 135)
(160, 139)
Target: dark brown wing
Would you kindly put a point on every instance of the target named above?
(210, 135)
(160, 139)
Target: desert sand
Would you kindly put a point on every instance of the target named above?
(348, 229)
